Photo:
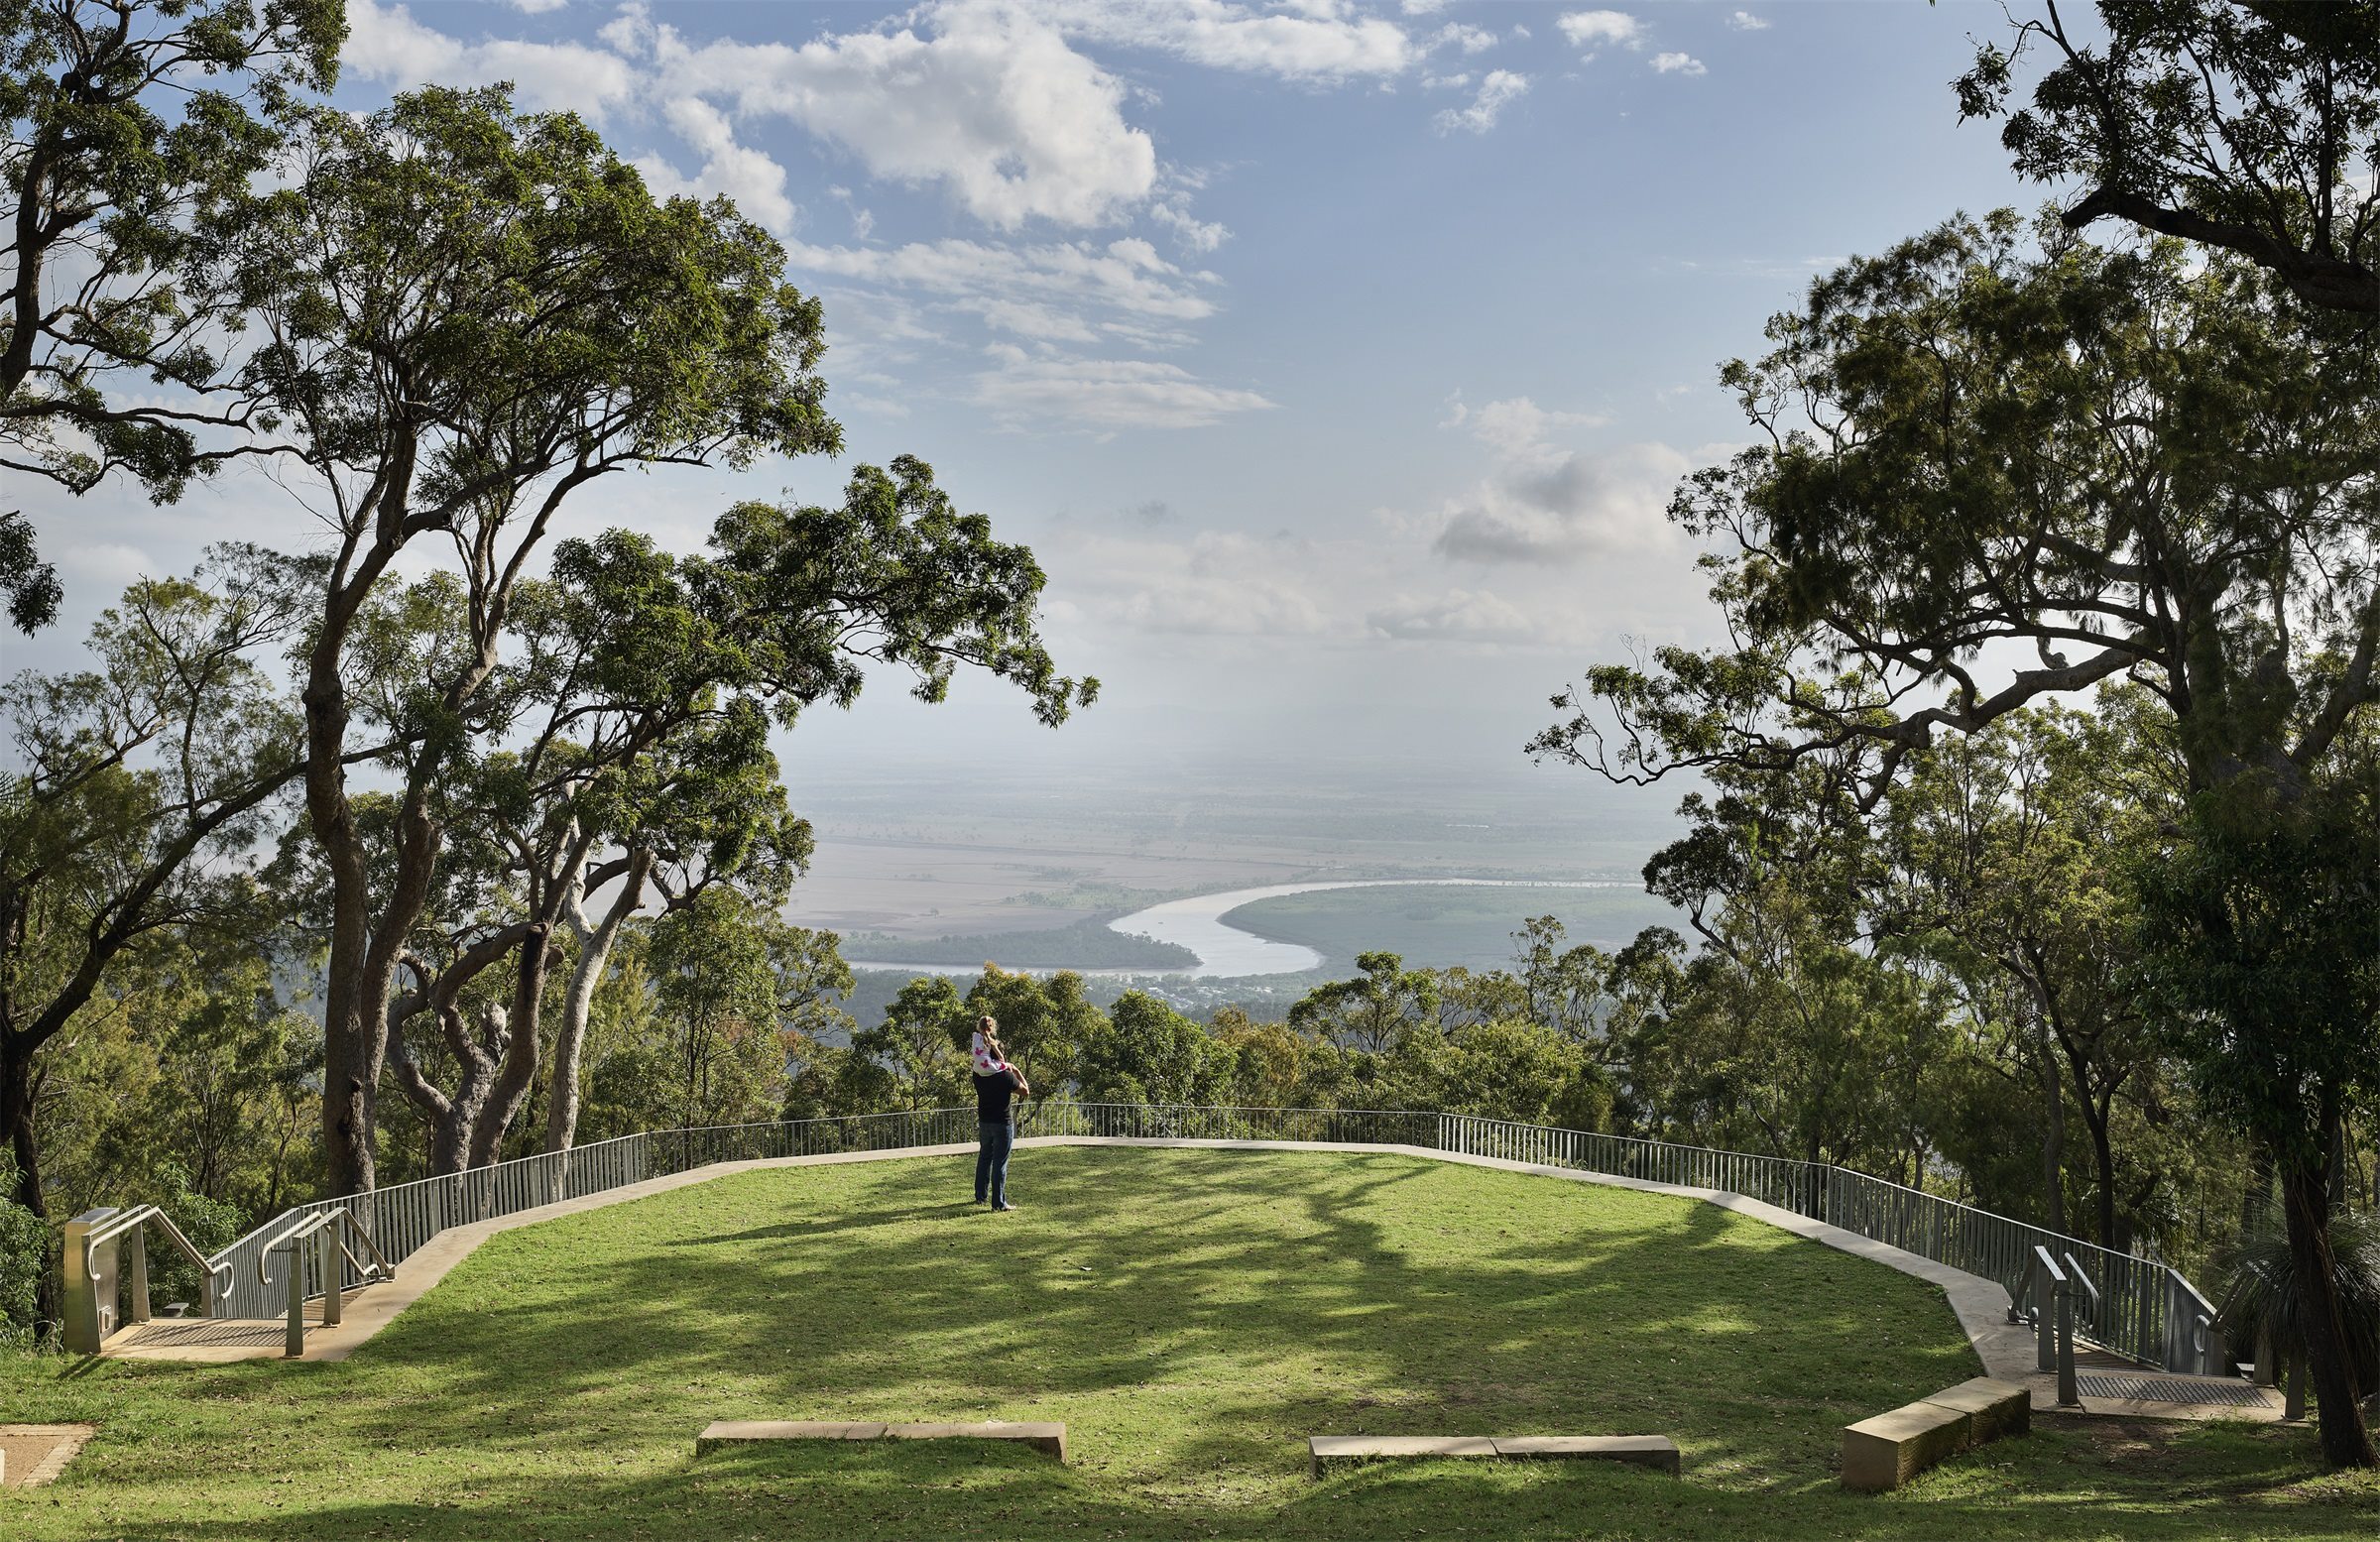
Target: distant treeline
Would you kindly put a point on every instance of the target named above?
(1085, 944)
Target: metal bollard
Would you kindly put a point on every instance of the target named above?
(2045, 1316)
(140, 1273)
(2067, 1395)
(292, 1342)
(90, 1304)
(332, 1274)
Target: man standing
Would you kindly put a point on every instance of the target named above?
(995, 1083)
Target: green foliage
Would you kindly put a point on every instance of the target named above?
(2249, 125)
(27, 1252)
(917, 1051)
(1372, 1010)
(1042, 1023)
(2260, 933)
(2261, 1300)
(1089, 944)
(126, 122)
(1147, 1052)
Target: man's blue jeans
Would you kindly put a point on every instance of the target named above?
(995, 1142)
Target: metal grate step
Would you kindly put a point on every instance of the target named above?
(2206, 1392)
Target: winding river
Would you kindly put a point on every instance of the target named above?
(1229, 952)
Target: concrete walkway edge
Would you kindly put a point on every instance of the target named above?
(1981, 1307)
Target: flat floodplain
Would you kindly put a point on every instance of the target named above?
(1191, 1316)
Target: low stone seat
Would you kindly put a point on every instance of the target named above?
(1371, 1448)
(745, 1432)
(1049, 1438)
(1994, 1408)
(723, 1432)
(1653, 1451)
(1658, 1452)
(1887, 1451)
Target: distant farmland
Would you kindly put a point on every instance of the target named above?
(1441, 926)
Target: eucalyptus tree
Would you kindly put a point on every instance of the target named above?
(145, 782)
(456, 306)
(1370, 1011)
(1988, 475)
(1564, 985)
(2248, 126)
(1044, 1022)
(127, 122)
(913, 1057)
(2005, 853)
(658, 679)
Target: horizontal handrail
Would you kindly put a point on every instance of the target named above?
(2144, 1308)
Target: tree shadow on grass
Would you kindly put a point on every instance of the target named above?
(1191, 1316)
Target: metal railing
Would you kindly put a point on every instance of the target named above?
(2142, 1308)
(92, 1244)
(327, 1270)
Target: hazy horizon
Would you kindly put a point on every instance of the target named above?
(1336, 359)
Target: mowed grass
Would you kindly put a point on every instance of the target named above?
(1191, 1315)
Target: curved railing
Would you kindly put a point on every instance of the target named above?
(2143, 1308)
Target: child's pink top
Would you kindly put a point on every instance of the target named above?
(986, 1062)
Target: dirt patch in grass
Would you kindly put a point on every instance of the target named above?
(33, 1454)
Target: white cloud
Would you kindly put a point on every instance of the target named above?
(1592, 30)
(384, 43)
(1677, 65)
(1458, 616)
(1328, 42)
(1471, 39)
(863, 221)
(1745, 21)
(1547, 502)
(1194, 234)
(1517, 427)
(536, 7)
(750, 176)
(993, 105)
(1496, 92)
(1214, 583)
(1123, 288)
(1579, 505)
(106, 567)
(1104, 395)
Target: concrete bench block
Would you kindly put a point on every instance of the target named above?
(745, 1432)
(1373, 1448)
(1048, 1438)
(1994, 1408)
(1654, 1451)
(1888, 1450)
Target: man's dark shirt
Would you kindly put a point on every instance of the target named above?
(992, 1095)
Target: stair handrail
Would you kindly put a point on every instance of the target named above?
(142, 1215)
(329, 1225)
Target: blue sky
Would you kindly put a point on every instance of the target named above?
(1335, 358)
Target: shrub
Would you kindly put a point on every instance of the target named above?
(2260, 1293)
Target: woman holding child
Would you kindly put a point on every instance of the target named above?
(995, 1083)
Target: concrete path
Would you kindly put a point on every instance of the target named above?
(1982, 1306)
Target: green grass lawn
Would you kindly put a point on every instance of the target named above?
(1191, 1315)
